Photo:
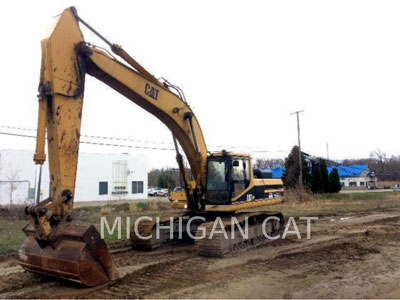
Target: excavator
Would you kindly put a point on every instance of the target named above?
(224, 184)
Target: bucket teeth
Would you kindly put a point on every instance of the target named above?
(79, 254)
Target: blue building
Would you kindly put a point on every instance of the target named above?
(356, 176)
(351, 177)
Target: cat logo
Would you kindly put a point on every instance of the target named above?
(150, 91)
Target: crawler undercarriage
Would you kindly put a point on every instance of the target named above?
(213, 235)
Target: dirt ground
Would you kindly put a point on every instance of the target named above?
(352, 256)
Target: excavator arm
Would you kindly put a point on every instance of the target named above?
(66, 59)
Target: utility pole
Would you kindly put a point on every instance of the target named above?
(298, 138)
(327, 151)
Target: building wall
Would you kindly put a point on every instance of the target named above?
(92, 169)
(357, 182)
(95, 168)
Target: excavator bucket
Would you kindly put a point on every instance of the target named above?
(78, 254)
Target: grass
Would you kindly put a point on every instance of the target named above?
(337, 204)
(11, 225)
(11, 235)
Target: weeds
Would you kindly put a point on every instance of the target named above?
(16, 212)
(149, 206)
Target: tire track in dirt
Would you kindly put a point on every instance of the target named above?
(362, 263)
(141, 272)
(160, 280)
(179, 272)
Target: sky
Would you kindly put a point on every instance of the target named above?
(244, 66)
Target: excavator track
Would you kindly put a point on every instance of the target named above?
(146, 227)
(217, 245)
(209, 243)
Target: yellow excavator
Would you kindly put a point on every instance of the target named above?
(223, 183)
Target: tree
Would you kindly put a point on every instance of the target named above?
(292, 170)
(326, 186)
(380, 157)
(165, 180)
(386, 168)
(263, 163)
(12, 179)
(335, 181)
(316, 179)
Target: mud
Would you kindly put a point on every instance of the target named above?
(353, 256)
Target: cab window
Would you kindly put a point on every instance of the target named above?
(240, 175)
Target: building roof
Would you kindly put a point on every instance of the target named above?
(344, 171)
(276, 172)
(348, 171)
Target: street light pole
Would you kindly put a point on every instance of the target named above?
(299, 145)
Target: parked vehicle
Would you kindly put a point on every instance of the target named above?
(152, 192)
(162, 192)
(157, 192)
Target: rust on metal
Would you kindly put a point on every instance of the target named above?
(77, 253)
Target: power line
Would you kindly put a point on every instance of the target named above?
(119, 145)
(93, 136)
(96, 143)
(127, 139)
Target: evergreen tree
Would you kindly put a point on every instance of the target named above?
(335, 181)
(306, 173)
(165, 180)
(325, 176)
(161, 177)
(291, 175)
(316, 179)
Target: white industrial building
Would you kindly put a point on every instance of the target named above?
(100, 177)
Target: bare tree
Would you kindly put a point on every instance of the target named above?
(380, 157)
(386, 168)
(262, 163)
(12, 179)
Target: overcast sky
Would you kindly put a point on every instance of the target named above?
(244, 67)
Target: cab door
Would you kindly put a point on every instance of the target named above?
(240, 178)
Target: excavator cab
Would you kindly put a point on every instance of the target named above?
(226, 177)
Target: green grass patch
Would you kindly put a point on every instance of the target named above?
(11, 234)
(142, 205)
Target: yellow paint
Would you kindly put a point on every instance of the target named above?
(243, 205)
(178, 204)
